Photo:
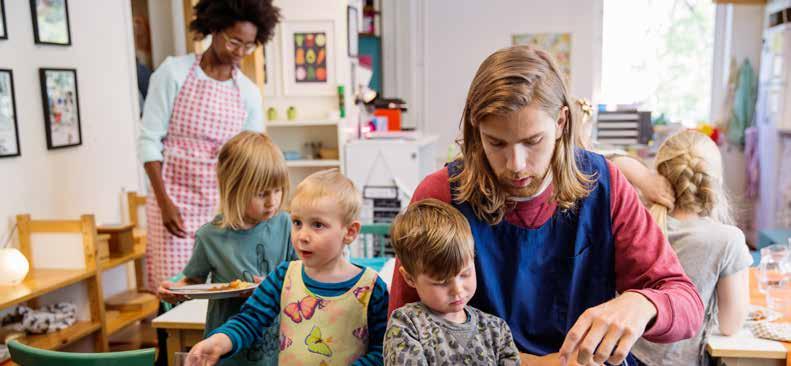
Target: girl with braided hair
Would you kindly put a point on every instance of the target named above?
(712, 251)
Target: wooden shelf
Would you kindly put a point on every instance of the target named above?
(329, 122)
(116, 261)
(313, 163)
(126, 318)
(139, 234)
(57, 340)
(38, 282)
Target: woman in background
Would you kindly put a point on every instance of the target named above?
(195, 104)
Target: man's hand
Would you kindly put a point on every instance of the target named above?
(607, 332)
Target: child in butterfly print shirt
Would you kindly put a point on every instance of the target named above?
(331, 312)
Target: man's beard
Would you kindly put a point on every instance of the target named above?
(506, 181)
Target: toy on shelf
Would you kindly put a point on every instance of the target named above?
(271, 114)
(314, 147)
(291, 113)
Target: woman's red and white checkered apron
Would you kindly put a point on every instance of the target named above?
(206, 114)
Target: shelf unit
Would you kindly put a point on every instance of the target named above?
(63, 338)
(307, 123)
(41, 281)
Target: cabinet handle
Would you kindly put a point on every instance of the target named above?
(414, 156)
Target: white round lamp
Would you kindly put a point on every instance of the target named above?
(13, 266)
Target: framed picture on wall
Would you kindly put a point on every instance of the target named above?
(51, 22)
(61, 107)
(352, 31)
(9, 131)
(3, 29)
(308, 58)
(557, 44)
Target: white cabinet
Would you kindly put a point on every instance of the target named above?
(400, 163)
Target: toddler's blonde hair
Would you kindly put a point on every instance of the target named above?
(692, 164)
(249, 163)
(431, 237)
(330, 183)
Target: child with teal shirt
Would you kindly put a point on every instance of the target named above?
(247, 240)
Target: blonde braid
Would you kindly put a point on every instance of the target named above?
(692, 164)
(691, 182)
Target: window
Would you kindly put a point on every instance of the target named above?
(658, 54)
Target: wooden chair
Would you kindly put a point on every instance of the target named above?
(24, 355)
(134, 201)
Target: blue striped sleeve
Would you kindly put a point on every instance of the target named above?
(377, 324)
(258, 312)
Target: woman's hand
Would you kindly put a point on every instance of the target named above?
(607, 332)
(208, 351)
(656, 188)
(164, 293)
(171, 217)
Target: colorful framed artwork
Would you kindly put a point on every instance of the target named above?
(352, 31)
(61, 107)
(9, 130)
(557, 44)
(308, 58)
(51, 22)
(3, 29)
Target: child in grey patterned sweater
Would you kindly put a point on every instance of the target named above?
(435, 246)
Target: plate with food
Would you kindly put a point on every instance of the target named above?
(757, 314)
(221, 290)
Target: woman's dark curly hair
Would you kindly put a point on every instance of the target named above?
(217, 15)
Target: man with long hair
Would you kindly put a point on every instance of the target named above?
(564, 251)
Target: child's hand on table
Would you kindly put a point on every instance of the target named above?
(208, 351)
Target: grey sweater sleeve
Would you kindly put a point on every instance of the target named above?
(507, 353)
(402, 344)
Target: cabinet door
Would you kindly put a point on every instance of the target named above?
(383, 164)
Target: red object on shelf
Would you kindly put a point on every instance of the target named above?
(393, 117)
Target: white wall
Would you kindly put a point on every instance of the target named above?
(462, 33)
(68, 182)
(88, 178)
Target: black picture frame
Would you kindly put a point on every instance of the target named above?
(15, 119)
(352, 32)
(37, 26)
(3, 27)
(55, 118)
